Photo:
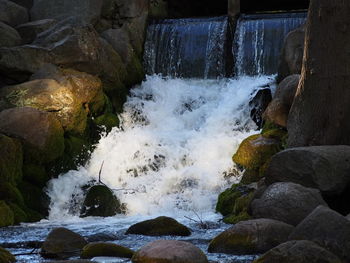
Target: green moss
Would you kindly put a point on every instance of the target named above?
(19, 215)
(270, 126)
(10, 193)
(11, 160)
(34, 197)
(255, 150)
(250, 176)
(6, 257)
(108, 120)
(106, 250)
(226, 200)
(234, 219)
(35, 174)
(135, 72)
(242, 203)
(6, 215)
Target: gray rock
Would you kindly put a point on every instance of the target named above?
(169, 251)
(278, 110)
(302, 251)
(132, 8)
(251, 237)
(89, 10)
(12, 14)
(292, 54)
(326, 228)
(286, 202)
(326, 168)
(62, 243)
(9, 37)
(29, 31)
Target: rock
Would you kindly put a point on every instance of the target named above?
(251, 237)
(19, 215)
(348, 217)
(326, 168)
(35, 197)
(25, 3)
(286, 202)
(100, 201)
(255, 151)
(42, 142)
(292, 54)
(258, 105)
(160, 226)
(11, 160)
(12, 14)
(9, 37)
(226, 200)
(89, 10)
(6, 218)
(278, 110)
(106, 250)
(132, 8)
(35, 174)
(6, 257)
(62, 243)
(169, 251)
(137, 29)
(302, 251)
(102, 237)
(74, 261)
(240, 209)
(30, 30)
(107, 120)
(326, 228)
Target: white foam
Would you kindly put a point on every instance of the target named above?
(175, 144)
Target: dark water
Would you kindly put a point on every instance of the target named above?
(190, 48)
(259, 41)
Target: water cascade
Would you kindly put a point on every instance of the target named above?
(195, 48)
(259, 40)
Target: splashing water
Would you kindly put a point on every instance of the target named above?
(173, 149)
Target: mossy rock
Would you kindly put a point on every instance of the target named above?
(5, 256)
(35, 174)
(234, 219)
(270, 126)
(10, 193)
(100, 201)
(106, 250)
(11, 160)
(135, 72)
(255, 150)
(18, 213)
(250, 176)
(6, 216)
(240, 209)
(160, 226)
(34, 197)
(33, 216)
(226, 200)
(108, 120)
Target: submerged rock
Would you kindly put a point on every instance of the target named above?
(251, 237)
(106, 250)
(62, 243)
(6, 257)
(100, 201)
(302, 251)
(287, 202)
(169, 251)
(160, 226)
(326, 228)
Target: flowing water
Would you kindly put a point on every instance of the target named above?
(172, 153)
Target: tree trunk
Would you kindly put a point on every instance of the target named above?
(320, 114)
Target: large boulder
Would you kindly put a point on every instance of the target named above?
(6, 257)
(258, 104)
(92, 250)
(302, 251)
(6, 216)
(9, 37)
(30, 30)
(12, 14)
(326, 168)
(160, 226)
(286, 202)
(326, 228)
(278, 110)
(11, 160)
(251, 237)
(132, 8)
(292, 54)
(89, 10)
(169, 251)
(62, 243)
(100, 201)
(43, 142)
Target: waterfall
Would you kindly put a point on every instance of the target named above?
(190, 48)
(259, 40)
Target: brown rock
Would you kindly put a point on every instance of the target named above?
(9, 37)
(29, 31)
(251, 237)
(43, 141)
(12, 14)
(169, 251)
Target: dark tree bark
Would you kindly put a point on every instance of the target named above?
(320, 114)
